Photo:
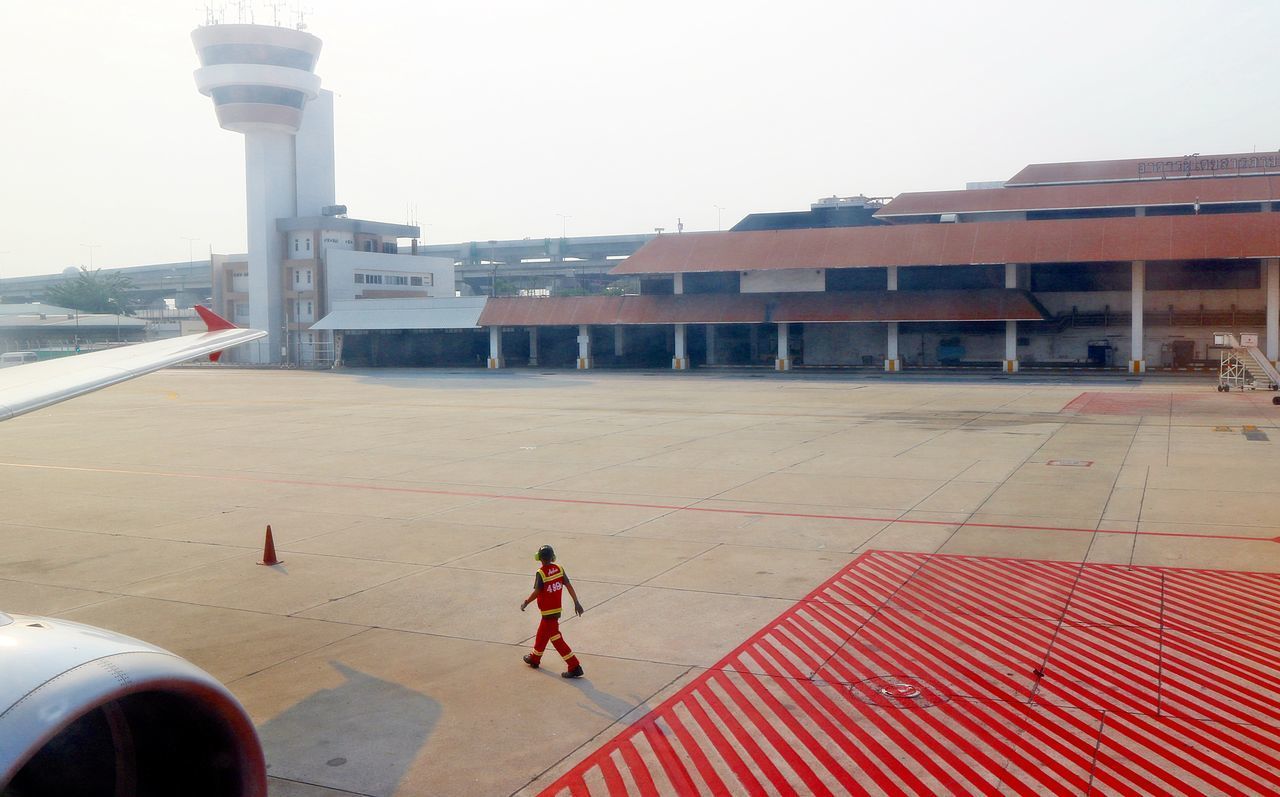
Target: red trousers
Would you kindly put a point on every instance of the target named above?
(549, 631)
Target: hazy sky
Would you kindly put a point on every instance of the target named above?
(493, 117)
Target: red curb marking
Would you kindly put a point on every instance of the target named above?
(637, 505)
(1094, 402)
(1186, 702)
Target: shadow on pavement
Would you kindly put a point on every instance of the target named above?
(361, 736)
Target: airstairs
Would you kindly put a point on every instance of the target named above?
(1243, 366)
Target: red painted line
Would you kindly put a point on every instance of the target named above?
(1166, 740)
(676, 772)
(644, 781)
(788, 720)
(1000, 743)
(721, 744)
(746, 740)
(863, 761)
(1172, 778)
(890, 659)
(612, 777)
(694, 751)
(639, 505)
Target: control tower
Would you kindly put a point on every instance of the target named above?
(263, 84)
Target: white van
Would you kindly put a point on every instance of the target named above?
(17, 358)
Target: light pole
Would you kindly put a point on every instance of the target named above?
(191, 263)
(90, 247)
(719, 210)
(563, 226)
(493, 264)
(115, 303)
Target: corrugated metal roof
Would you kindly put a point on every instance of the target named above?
(993, 304)
(70, 320)
(459, 313)
(1179, 166)
(1226, 236)
(1061, 197)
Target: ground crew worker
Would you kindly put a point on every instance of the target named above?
(549, 583)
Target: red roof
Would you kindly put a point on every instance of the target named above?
(1149, 168)
(1057, 197)
(1225, 236)
(991, 304)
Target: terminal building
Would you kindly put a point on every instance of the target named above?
(1131, 264)
(1127, 265)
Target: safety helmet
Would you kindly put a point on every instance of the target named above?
(546, 554)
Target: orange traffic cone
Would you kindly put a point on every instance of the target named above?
(269, 551)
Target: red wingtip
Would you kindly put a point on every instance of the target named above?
(212, 320)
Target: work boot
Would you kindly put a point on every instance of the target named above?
(576, 672)
(528, 659)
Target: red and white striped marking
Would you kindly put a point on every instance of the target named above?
(910, 674)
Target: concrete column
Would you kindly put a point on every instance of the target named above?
(1272, 267)
(584, 347)
(891, 361)
(1010, 327)
(677, 284)
(680, 362)
(1137, 363)
(270, 185)
(533, 345)
(619, 341)
(783, 362)
(711, 344)
(495, 347)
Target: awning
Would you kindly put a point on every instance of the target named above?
(1153, 193)
(1225, 236)
(992, 304)
(373, 314)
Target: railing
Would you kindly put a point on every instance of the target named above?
(1155, 318)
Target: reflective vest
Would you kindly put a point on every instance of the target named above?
(550, 585)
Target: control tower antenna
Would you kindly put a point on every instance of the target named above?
(215, 12)
(301, 12)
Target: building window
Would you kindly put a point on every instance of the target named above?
(296, 246)
(415, 280)
(308, 243)
(359, 279)
(308, 276)
(297, 277)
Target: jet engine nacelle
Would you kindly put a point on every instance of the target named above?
(90, 712)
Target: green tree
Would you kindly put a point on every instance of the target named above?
(93, 292)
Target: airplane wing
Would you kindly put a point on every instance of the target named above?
(89, 711)
(24, 388)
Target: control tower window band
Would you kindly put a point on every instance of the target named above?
(265, 95)
(268, 54)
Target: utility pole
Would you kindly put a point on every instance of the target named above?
(191, 264)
